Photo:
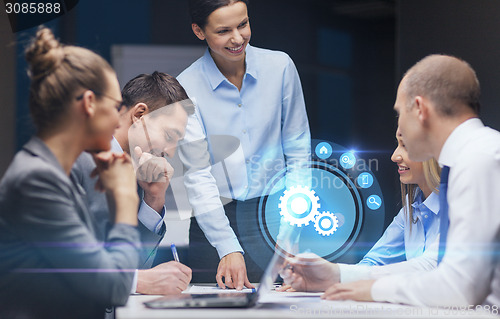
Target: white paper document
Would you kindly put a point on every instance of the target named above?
(195, 289)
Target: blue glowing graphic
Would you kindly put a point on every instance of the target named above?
(326, 223)
(374, 202)
(338, 222)
(365, 180)
(327, 205)
(323, 150)
(347, 160)
(299, 205)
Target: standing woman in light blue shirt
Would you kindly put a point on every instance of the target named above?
(255, 96)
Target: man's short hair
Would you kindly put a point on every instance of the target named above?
(447, 81)
(156, 90)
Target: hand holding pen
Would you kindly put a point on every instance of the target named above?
(167, 278)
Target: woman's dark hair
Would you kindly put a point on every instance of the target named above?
(57, 72)
(199, 10)
(155, 90)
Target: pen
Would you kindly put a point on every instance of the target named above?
(174, 252)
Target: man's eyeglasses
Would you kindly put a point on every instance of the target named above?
(119, 104)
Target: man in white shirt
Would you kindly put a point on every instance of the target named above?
(438, 106)
(151, 124)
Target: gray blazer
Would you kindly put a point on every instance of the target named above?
(98, 207)
(51, 263)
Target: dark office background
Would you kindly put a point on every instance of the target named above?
(350, 55)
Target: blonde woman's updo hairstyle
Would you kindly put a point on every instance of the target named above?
(58, 73)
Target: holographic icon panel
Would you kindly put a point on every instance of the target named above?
(330, 214)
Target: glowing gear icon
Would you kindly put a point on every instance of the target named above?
(299, 205)
(326, 223)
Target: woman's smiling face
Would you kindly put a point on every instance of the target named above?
(227, 32)
(409, 172)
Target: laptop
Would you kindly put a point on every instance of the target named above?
(223, 300)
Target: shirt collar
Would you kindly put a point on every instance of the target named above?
(431, 202)
(454, 143)
(115, 146)
(250, 60)
(215, 77)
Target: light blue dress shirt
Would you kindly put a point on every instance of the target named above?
(398, 243)
(267, 116)
(253, 133)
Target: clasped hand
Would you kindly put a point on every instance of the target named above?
(153, 175)
(116, 177)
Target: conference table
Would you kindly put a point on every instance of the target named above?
(299, 305)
